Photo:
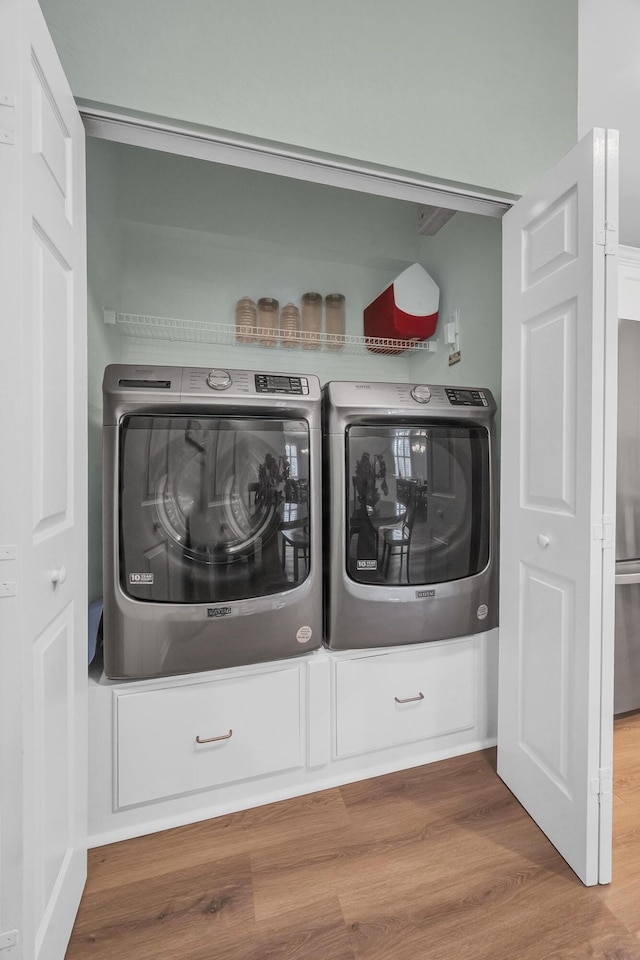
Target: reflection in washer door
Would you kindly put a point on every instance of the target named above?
(208, 505)
(419, 504)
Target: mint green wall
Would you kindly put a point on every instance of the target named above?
(104, 268)
(195, 236)
(475, 92)
(464, 259)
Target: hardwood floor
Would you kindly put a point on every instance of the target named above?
(436, 862)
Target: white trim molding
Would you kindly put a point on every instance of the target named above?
(204, 143)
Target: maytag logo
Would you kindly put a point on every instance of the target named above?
(144, 370)
(363, 386)
(424, 594)
(367, 565)
(218, 611)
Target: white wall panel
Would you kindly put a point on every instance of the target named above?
(549, 398)
(546, 658)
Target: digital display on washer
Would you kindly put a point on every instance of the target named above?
(466, 398)
(272, 383)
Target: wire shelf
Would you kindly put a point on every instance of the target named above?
(202, 331)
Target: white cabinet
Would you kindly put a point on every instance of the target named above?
(187, 737)
(286, 728)
(393, 698)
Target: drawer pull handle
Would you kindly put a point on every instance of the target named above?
(409, 699)
(225, 736)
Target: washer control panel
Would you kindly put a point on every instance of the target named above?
(280, 383)
(466, 398)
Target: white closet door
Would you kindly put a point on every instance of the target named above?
(558, 503)
(43, 526)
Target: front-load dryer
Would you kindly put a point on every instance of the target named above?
(410, 513)
(212, 527)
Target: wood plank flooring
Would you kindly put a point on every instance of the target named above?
(438, 862)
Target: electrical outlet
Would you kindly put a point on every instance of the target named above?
(452, 329)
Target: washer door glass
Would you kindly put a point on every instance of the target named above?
(419, 503)
(212, 509)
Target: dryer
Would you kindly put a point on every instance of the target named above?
(211, 524)
(410, 513)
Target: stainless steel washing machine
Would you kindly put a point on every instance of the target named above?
(212, 520)
(410, 513)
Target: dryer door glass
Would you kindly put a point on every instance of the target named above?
(212, 509)
(419, 503)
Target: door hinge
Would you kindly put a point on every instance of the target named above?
(608, 238)
(602, 785)
(603, 532)
(8, 940)
(7, 135)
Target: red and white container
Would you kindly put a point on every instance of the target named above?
(406, 310)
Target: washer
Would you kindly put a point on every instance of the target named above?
(410, 513)
(211, 524)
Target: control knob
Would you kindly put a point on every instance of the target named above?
(219, 380)
(421, 393)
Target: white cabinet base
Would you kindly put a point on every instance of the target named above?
(395, 698)
(300, 726)
(200, 735)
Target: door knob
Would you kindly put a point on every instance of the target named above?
(543, 540)
(58, 576)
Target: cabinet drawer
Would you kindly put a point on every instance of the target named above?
(394, 698)
(257, 717)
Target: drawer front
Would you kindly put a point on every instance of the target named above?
(397, 698)
(158, 756)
